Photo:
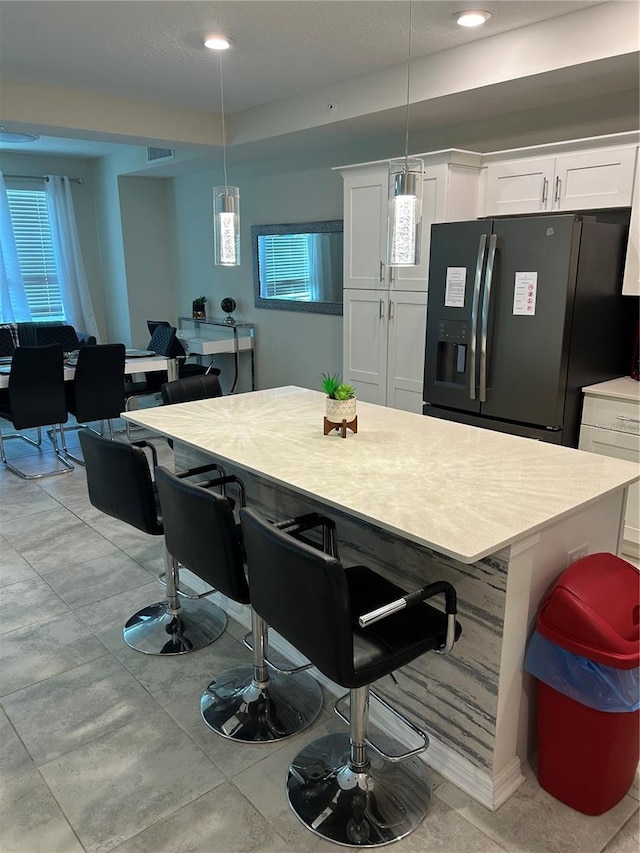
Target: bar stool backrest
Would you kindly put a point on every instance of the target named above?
(119, 481)
(201, 533)
(302, 593)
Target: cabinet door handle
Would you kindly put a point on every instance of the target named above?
(381, 311)
(630, 420)
(391, 311)
(382, 272)
(545, 190)
(556, 196)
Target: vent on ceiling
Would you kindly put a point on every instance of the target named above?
(156, 154)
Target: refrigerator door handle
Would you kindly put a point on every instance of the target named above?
(482, 248)
(486, 299)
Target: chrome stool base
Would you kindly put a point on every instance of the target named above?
(380, 805)
(155, 630)
(237, 707)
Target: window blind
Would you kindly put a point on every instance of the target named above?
(286, 271)
(32, 231)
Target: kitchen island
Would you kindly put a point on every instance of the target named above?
(421, 499)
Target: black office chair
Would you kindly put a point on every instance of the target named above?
(97, 390)
(64, 335)
(7, 345)
(347, 621)
(120, 484)
(247, 703)
(36, 398)
(186, 369)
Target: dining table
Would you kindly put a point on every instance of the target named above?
(136, 361)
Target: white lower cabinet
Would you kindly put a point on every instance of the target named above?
(611, 427)
(384, 340)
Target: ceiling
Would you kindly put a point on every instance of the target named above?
(153, 52)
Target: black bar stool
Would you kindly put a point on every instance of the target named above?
(250, 703)
(347, 621)
(120, 485)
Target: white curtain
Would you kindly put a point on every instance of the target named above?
(72, 278)
(14, 307)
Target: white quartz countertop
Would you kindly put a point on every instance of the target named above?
(463, 491)
(624, 388)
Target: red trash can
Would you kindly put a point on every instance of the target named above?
(587, 758)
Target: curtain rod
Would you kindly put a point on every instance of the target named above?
(40, 178)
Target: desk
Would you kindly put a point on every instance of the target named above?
(132, 365)
(420, 499)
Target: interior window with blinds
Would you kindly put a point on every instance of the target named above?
(285, 260)
(32, 231)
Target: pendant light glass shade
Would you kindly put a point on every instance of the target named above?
(404, 223)
(226, 226)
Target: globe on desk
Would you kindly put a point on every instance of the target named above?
(228, 305)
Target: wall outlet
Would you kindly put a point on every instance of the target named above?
(577, 553)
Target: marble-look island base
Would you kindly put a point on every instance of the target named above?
(516, 527)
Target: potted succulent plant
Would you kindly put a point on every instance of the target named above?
(341, 399)
(198, 310)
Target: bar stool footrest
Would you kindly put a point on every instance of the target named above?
(272, 666)
(403, 756)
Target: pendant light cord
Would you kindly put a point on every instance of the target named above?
(224, 133)
(406, 134)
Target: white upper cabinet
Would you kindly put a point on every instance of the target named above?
(450, 193)
(365, 225)
(581, 180)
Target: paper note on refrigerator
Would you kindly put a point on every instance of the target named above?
(455, 284)
(524, 293)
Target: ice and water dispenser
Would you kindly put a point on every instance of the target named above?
(453, 343)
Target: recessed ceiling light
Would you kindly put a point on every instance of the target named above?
(471, 18)
(17, 138)
(216, 41)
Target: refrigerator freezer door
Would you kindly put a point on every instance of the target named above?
(458, 254)
(529, 319)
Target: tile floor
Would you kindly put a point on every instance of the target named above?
(103, 749)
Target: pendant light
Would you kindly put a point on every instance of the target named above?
(404, 217)
(226, 199)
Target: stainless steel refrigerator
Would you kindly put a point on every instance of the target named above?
(522, 313)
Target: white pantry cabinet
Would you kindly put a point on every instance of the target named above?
(611, 426)
(385, 308)
(384, 337)
(579, 180)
